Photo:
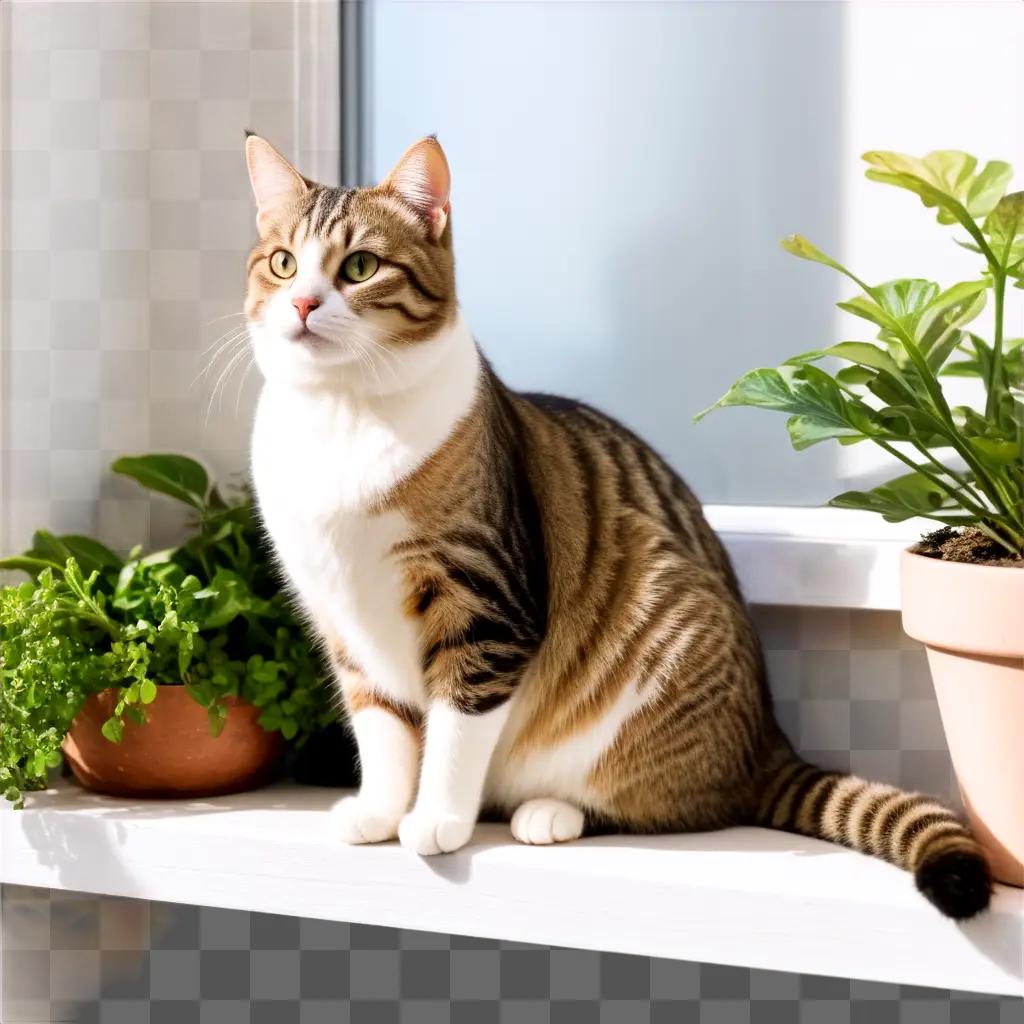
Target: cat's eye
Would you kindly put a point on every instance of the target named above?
(360, 266)
(282, 263)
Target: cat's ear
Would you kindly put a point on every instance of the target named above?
(275, 183)
(422, 179)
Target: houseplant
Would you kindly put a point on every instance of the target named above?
(963, 465)
(198, 639)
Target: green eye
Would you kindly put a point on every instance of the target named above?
(282, 263)
(360, 266)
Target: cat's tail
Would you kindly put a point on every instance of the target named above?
(912, 831)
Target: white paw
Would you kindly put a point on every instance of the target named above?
(427, 833)
(540, 822)
(360, 822)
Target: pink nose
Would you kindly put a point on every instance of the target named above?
(304, 307)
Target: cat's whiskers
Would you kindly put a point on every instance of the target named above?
(221, 382)
(229, 343)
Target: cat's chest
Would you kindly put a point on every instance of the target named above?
(319, 486)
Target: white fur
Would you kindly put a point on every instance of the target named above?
(389, 758)
(339, 422)
(541, 822)
(455, 759)
(561, 771)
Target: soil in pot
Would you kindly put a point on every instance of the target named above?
(967, 545)
(173, 754)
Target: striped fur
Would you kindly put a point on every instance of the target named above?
(520, 577)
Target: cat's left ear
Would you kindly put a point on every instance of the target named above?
(275, 183)
(423, 180)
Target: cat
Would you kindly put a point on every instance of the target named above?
(525, 609)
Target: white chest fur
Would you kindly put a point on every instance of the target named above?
(321, 460)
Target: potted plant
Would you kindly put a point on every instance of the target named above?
(963, 584)
(178, 672)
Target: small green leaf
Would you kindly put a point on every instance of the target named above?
(113, 730)
(797, 245)
(174, 475)
(1004, 227)
(988, 187)
(147, 691)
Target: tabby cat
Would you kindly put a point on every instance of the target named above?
(526, 611)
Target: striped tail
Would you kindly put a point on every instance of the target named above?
(912, 831)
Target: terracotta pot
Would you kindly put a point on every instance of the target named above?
(173, 754)
(971, 618)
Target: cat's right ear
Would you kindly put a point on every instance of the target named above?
(275, 183)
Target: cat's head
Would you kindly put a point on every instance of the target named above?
(349, 286)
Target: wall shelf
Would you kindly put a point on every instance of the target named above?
(815, 557)
(747, 897)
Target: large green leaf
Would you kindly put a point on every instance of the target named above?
(863, 353)
(175, 475)
(895, 306)
(1004, 227)
(797, 245)
(46, 546)
(26, 563)
(91, 554)
(817, 404)
(904, 498)
(943, 180)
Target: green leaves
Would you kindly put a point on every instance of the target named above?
(944, 180)
(819, 409)
(178, 476)
(1004, 227)
(208, 614)
(890, 392)
(907, 497)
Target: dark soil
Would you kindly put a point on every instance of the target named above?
(965, 545)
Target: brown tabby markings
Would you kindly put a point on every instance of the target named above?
(412, 294)
(554, 555)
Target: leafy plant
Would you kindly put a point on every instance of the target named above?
(208, 615)
(965, 464)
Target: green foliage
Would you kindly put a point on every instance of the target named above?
(966, 465)
(208, 615)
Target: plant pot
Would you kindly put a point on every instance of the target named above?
(173, 754)
(971, 619)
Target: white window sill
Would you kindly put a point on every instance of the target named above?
(815, 557)
(748, 897)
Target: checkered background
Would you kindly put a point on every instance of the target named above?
(109, 961)
(125, 217)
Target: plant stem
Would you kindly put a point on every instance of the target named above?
(994, 382)
(975, 510)
(963, 483)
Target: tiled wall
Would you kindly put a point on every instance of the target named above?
(126, 218)
(112, 961)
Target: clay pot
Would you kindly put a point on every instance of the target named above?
(971, 619)
(173, 754)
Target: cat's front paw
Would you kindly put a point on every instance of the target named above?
(427, 833)
(358, 821)
(542, 822)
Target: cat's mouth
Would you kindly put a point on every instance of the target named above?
(306, 335)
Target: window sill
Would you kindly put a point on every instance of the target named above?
(747, 897)
(814, 557)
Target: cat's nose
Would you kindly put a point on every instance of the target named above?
(305, 306)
